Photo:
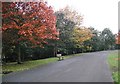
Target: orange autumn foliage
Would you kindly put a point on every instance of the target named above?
(81, 34)
(35, 22)
(118, 38)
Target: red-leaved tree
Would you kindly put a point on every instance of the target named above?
(32, 23)
(118, 39)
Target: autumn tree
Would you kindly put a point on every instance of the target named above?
(71, 33)
(117, 40)
(29, 23)
(66, 20)
(80, 35)
(95, 41)
(72, 15)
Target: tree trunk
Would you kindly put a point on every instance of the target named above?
(19, 56)
(3, 58)
(55, 51)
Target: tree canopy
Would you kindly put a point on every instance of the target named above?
(71, 33)
(29, 24)
(33, 22)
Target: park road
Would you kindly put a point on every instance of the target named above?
(89, 67)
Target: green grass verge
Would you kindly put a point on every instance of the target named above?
(113, 61)
(31, 64)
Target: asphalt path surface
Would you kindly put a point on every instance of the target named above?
(89, 67)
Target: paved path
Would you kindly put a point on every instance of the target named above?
(89, 67)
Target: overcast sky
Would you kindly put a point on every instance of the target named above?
(99, 14)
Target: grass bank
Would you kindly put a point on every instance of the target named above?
(13, 67)
(114, 60)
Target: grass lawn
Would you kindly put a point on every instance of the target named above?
(30, 64)
(114, 60)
